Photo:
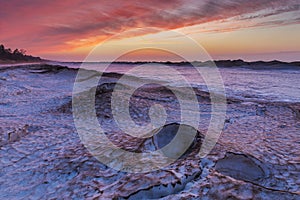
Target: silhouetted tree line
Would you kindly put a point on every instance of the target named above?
(17, 54)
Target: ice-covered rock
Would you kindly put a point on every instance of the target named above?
(175, 140)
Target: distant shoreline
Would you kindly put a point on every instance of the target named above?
(13, 64)
(256, 65)
(238, 62)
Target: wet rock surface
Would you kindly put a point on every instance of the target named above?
(242, 167)
(188, 139)
(42, 156)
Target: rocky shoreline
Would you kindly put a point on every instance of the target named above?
(42, 157)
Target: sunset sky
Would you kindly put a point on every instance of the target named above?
(227, 29)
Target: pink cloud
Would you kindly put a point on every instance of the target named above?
(42, 26)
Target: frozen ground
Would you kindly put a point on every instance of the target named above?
(42, 157)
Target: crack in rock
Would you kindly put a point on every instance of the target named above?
(163, 190)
